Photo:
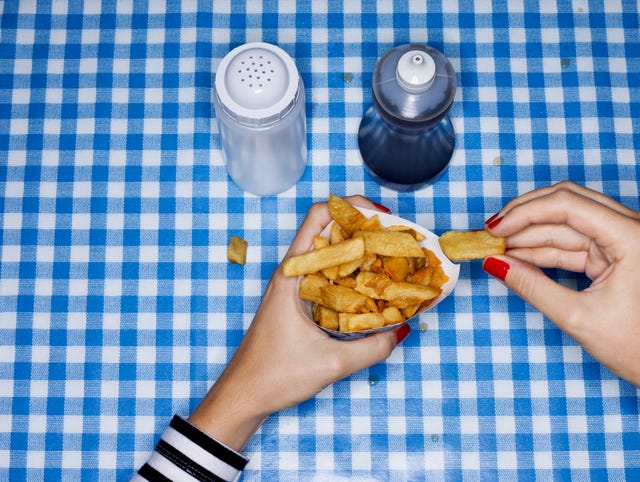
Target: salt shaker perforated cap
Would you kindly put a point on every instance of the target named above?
(257, 83)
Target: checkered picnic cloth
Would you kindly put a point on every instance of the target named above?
(118, 307)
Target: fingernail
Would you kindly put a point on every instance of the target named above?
(496, 267)
(490, 220)
(382, 208)
(402, 332)
(495, 222)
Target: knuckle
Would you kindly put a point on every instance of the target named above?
(317, 208)
(525, 286)
(337, 367)
(564, 185)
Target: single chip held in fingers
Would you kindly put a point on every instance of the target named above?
(237, 250)
(467, 245)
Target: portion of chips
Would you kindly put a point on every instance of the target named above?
(466, 245)
(365, 276)
(237, 250)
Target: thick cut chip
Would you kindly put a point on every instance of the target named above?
(396, 267)
(392, 315)
(422, 276)
(343, 213)
(310, 287)
(326, 317)
(466, 245)
(323, 258)
(398, 294)
(372, 224)
(237, 250)
(343, 299)
(337, 234)
(346, 269)
(390, 243)
(361, 321)
(407, 229)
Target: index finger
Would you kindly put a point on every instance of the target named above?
(606, 226)
(576, 188)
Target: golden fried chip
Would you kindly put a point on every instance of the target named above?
(343, 213)
(317, 260)
(396, 267)
(337, 234)
(390, 243)
(398, 294)
(466, 245)
(237, 250)
(326, 317)
(392, 315)
(371, 224)
(421, 276)
(346, 269)
(438, 277)
(407, 229)
(310, 287)
(343, 299)
(359, 322)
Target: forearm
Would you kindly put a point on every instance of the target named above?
(230, 418)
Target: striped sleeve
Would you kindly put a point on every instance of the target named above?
(185, 453)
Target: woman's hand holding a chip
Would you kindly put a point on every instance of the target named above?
(284, 358)
(570, 227)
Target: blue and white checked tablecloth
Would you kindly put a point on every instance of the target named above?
(118, 306)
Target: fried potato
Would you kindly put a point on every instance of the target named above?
(337, 234)
(326, 317)
(396, 267)
(323, 258)
(392, 315)
(466, 245)
(359, 322)
(320, 242)
(407, 229)
(237, 250)
(390, 243)
(371, 224)
(310, 288)
(343, 299)
(343, 213)
(399, 294)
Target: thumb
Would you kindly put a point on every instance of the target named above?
(556, 302)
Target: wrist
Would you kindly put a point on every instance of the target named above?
(228, 419)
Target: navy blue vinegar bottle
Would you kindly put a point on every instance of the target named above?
(406, 138)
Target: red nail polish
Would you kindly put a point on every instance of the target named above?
(491, 219)
(496, 267)
(382, 208)
(402, 332)
(495, 222)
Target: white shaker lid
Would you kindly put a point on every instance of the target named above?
(257, 83)
(415, 71)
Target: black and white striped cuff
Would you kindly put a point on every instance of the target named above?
(186, 453)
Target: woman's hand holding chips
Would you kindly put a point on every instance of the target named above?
(574, 228)
(284, 358)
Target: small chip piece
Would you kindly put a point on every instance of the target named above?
(237, 250)
(467, 245)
